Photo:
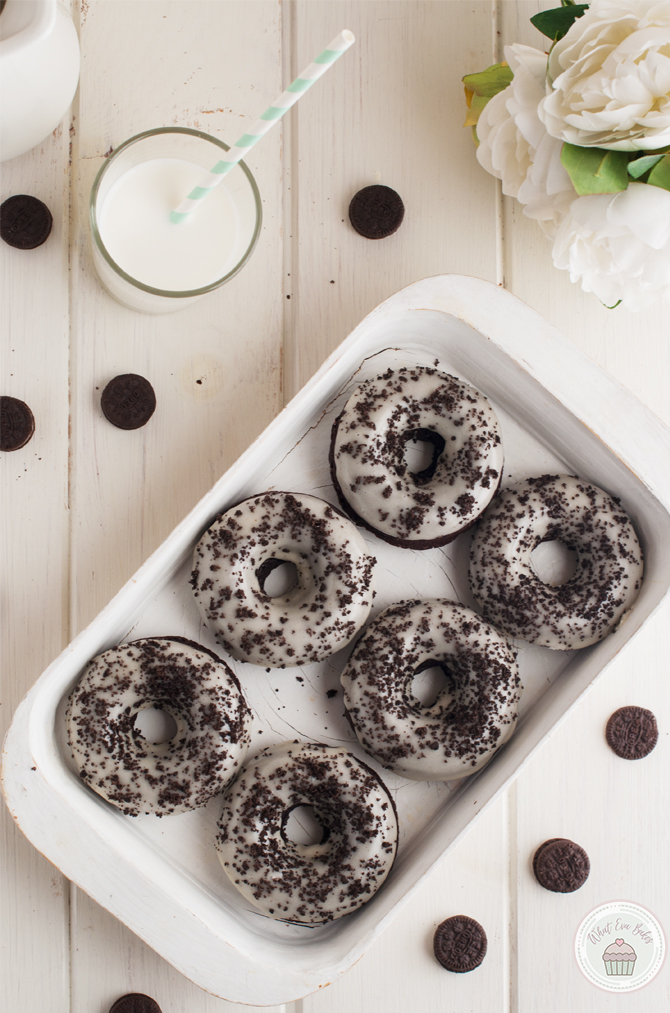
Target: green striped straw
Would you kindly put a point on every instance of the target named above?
(324, 60)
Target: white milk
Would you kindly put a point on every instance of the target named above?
(134, 224)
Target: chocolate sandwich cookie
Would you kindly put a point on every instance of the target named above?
(135, 1002)
(376, 211)
(128, 401)
(460, 944)
(25, 222)
(561, 865)
(17, 423)
(632, 732)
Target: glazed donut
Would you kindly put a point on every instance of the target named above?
(471, 718)
(319, 615)
(307, 883)
(367, 463)
(609, 568)
(170, 674)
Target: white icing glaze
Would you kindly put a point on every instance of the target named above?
(470, 719)
(368, 447)
(307, 883)
(609, 565)
(197, 689)
(321, 614)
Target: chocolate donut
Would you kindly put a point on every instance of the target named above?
(368, 467)
(320, 614)
(472, 716)
(585, 519)
(307, 883)
(174, 675)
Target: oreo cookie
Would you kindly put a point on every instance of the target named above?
(17, 423)
(25, 222)
(632, 732)
(135, 1002)
(128, 401)
(376, 211)
(460, 944)
(561, 865)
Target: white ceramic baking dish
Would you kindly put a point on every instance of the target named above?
(559, 412)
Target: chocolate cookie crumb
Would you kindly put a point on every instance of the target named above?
(17, 423)
(135, 1002)
(25, 222)
(632, 732)
(376, 211)
(128, 401)
(460, 944)
(561, 865)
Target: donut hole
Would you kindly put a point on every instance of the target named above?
(421, 454)
(277, 577)
(300, 825)
(430, 681)
(554, 562)
(155, 725)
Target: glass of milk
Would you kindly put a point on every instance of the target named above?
(145, 260)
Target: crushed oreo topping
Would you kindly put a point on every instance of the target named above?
(171, 674)
(369, 469)
(311, 883)
(471, 718)
(460, 944)
(561, 865)
(632, 732)
(608, 576)
(320, 614)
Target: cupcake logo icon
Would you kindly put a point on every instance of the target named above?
(620, 946)
(619, 958)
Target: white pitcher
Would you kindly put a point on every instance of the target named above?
(39, 70)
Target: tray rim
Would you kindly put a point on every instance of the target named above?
(499, 317)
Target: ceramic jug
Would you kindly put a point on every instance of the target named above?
(39, 70)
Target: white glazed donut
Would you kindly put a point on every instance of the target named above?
(368, 467)
(471, 718)
(609, 562)
(183, 679)
(319, 615)
(307, 883)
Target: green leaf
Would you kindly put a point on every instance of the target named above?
(660, 174)
(557, 22)
(638, 166)
(595, 170)
(489, 82)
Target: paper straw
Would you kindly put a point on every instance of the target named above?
(324, 60)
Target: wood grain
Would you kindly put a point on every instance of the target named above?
(84, 504)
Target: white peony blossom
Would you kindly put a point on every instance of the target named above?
(618, 245)
(609, 77)
(514, 144)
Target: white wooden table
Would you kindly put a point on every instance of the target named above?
(83, 504)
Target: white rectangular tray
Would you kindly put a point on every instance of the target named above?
(559, 413)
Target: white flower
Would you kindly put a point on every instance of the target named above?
(618, 245)
(514, 144)
(610, 77)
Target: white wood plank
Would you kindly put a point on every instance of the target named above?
(400, 972)
(615, 809)
(390, 111)
(577, 788)
(34, 512)
(215, 366)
